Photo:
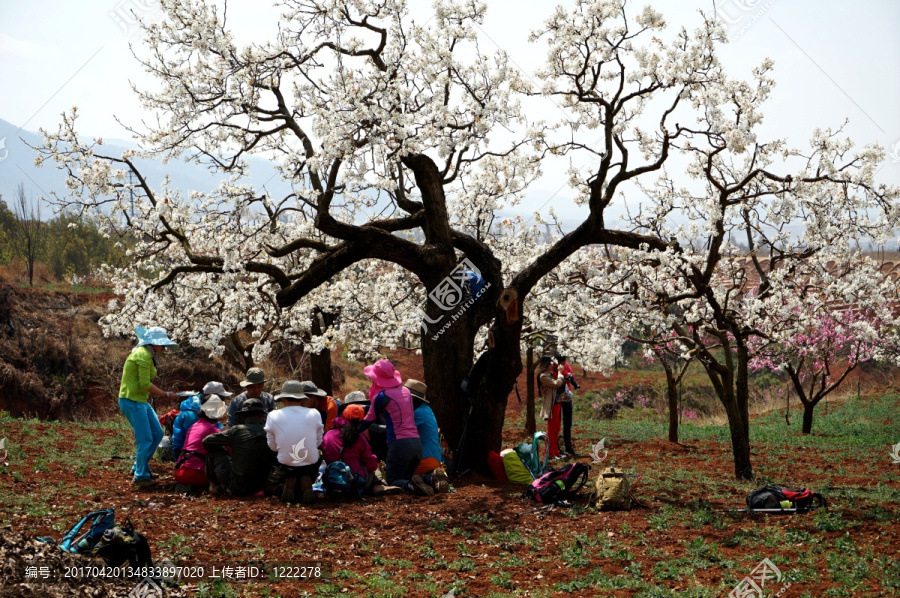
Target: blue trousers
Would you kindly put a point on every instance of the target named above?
(147, 434)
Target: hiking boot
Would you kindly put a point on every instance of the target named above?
(148, 483)
(288, 492)
(420, 486)
(441, 481)
(307, 496)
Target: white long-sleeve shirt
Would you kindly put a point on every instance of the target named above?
(296, 434)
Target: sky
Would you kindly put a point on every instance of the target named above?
(833, 60)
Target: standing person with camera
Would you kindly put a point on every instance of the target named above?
(550, 383)
(565, 402)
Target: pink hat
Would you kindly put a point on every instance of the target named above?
(384, 374)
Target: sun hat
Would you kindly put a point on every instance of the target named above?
(353, 412)
(291, 390)
(215, 388)
(384, 374)
(311, 390)
(214, 407)
(357, 396)
(254, 376)
(252, 406)
(417, 389)
(153, 336)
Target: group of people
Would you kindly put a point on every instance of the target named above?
(265, 449)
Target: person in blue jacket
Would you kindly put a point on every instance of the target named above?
(190, 412)
(430, 467)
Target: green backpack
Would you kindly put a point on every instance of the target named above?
(612, 491)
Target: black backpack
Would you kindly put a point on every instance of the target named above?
(120, 543)
(558, 484)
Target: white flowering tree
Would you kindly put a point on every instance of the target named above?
(383, 127)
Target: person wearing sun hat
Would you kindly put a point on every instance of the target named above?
(190, 469)
(134, 393)
(245, 470)
(321, 402)
(388, 396)
(295, 433)
(430, 465)
(253, 389)
(190, 412)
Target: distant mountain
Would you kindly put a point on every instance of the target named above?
(17, 166)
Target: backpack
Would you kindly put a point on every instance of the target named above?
(516, 471)
(772, 497)
(558, 484)
(98, 522)
(530, 454)
(339, 480)
(612, 491)
(120, 543)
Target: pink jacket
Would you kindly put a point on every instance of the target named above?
(194, 442)
(359, 456)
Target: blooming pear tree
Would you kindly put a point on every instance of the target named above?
(383, 127)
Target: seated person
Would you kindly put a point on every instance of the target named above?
(344, 443)
(190, 411)
(430, 466)
(295, 431)
(377, 432)
(190, 469)
(321, 402)
(253, 389)
(245, 470)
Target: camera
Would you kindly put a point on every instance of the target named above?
(571, 379)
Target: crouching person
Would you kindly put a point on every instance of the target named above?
(190, 469)
(245, 470)
(344, 443)
(295, 432)
(430, 466)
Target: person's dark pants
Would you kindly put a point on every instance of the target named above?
(566, 410)
(281, 473)
(403, 458)
(218, 468)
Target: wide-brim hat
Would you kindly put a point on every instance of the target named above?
(214, 407)
(357, 396)
(291, 390)
(384, 374)
(311, 390)
(417, 389)
(153, 336)
(216, 388)
(252, 406)
(254, 376)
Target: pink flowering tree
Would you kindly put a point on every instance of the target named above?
(830, 331)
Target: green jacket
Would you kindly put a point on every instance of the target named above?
(251, 457)
(138, 375)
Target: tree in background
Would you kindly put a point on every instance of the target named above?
(845, 314)
(29, 231)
